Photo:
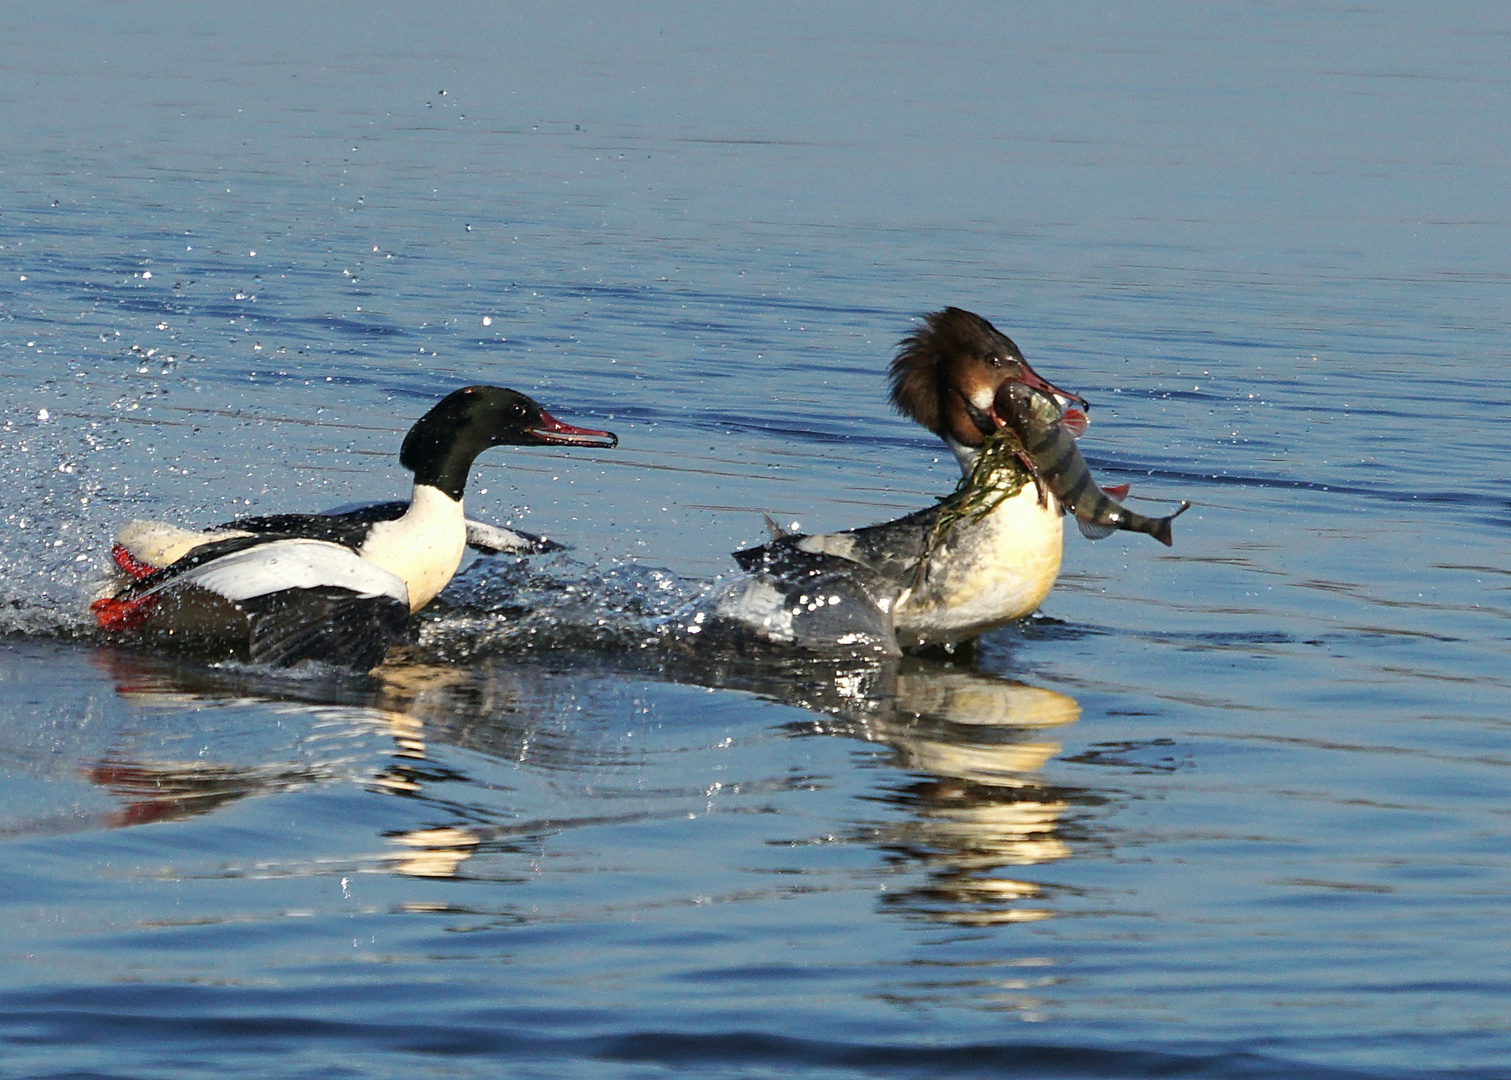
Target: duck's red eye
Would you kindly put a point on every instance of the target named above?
(520, 410)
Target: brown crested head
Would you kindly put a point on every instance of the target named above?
(947, 372)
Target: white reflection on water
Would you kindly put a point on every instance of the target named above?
(968, 745)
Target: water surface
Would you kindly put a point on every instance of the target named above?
(1231, 809)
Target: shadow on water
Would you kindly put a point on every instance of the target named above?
(963, 806)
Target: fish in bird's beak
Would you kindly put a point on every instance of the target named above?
(1075, 420)
(553, 432)
(1034, 381)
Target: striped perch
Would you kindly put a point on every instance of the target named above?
(1054, 461)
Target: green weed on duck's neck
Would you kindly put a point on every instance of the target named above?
(996, 475)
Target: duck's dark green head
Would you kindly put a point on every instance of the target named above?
(442, 445)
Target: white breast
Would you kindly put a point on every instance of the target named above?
(989, 573)
(424, 547)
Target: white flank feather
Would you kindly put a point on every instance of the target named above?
(292, 564)
(158, 543)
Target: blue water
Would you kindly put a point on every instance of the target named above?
(1233, 809)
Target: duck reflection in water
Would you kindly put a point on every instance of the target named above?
(972, 808)
(966, 808)
(167, 790)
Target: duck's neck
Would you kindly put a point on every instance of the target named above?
(992, 474)
(424, 547)
(966, 456)
(430, 507)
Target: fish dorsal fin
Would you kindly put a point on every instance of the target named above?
(1095, 532)
(1117, 493)
(776, 530)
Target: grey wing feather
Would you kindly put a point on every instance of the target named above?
(333, 626)
(493, 540)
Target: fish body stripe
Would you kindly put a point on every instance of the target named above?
(1059, 461)
(1054, 454)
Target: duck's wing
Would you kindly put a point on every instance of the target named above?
(332, 625)
(289, 562)
(481, 537)
(496, 540)
(343, 529)
(815, 601)
(304, 599)
(890, 550)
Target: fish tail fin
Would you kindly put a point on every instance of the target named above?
(1161, 531)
